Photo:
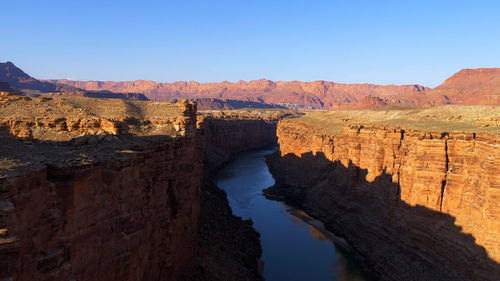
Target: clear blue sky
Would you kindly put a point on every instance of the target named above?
(384, 42)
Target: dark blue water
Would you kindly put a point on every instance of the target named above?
(292, 249)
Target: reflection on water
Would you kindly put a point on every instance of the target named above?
(318, 234)
(292, 248)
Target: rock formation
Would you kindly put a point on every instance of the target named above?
(5, 87)
(229, 248)
(22, 82)
(225, 104)
(116, 207)
(416, 204)
(96, 189)
(317, 94)
(101, 95)
(229, 132)
(468, 86)
(112, 189)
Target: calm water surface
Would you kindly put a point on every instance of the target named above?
(292, 249)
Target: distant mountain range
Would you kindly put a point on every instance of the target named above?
(22, 82)
(468, 86)
(5, 87)
(19, 80)
(317, 94)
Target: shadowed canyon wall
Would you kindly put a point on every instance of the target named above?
(416, 205)
(123, 209)
(115, 191)
(227, 135)
(122, 219)
(229, 247)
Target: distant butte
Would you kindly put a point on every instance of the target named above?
(479, 86)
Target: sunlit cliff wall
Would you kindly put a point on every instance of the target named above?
(417, 205)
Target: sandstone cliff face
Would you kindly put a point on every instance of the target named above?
(225, 104)
(122, 219)
(230, 132)
(418, 205)
(233, 136)
(229, 247)
(63, 119)
(112, 190)
(126, 210)
(472, 78)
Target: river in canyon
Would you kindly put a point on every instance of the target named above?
(292, 248)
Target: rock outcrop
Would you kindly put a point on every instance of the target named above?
(20, 80)
(229, 132)
(125, 209)
(133, 217)
(317, 94)
(99, 95)
(416, 204)
(64, 119)
(99, 189)
(467, 87)
(479, 86)
(5, 87)
(229, 247)
(226, 104)
(262, 93)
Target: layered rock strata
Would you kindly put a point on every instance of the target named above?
(316, 94)
(111, 190)
(417, 205)
(468, 86)
(229, 247)
(121, 210)
(229, 132)
(63, 119)
(228, 104)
